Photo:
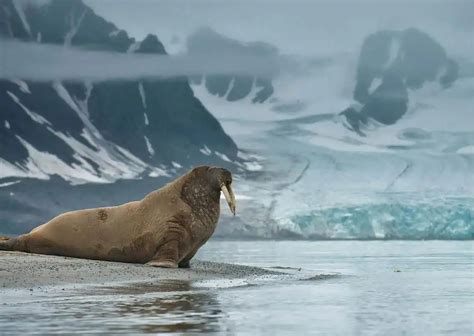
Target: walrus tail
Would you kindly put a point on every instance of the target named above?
(7, 244)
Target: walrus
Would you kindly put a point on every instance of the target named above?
(164, 229)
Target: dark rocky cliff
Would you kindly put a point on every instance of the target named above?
(83, 141)
(400, 61)
(237, 87)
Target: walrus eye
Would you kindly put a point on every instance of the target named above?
(229, 197)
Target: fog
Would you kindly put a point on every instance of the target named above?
(33, 61)
(295, 27)
(315, 30)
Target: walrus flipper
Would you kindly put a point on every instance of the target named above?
(170, 252)
(6, 244)
(167, 255)
(185, 263)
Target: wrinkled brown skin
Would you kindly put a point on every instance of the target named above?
(165, 229)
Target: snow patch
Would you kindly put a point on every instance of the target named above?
(145, 117)
(6, 184)
(88, 136)
(223, 157)
(22, 85)
(10, 170)
(34, 116)
(373, 86)
(331, 134)
(231, 86)
(128, 155)
(253, 166)
(149, 146)
(249, 156)
(133, 47)
(114, 33)
(466, 150)
(394, 49)
(176, 165)
(83, 104)
(74, 24)
(205, 150)
(21, 14)
(43, 164)
(7, 124)
(156, 172)
(64, 95)
(80, 108)
(142, 94)
(111, 166)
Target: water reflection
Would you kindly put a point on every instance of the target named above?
(166, 306)
(187, 311)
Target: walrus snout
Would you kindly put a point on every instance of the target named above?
(223, 179)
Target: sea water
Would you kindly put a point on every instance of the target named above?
(333, 288)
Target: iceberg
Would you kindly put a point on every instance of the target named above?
(451, 218)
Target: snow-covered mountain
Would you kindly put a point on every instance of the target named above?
(398, 162)
(97, 132)
(236, 87)
(371, 142)
(68, 134)
(390, 64)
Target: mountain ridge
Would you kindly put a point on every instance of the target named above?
(67, 145)
(154, 123)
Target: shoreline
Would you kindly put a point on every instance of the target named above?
(27, 271)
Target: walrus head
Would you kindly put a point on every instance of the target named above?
(206, 182)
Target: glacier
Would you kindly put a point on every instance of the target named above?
(399, 218)
(413, 179)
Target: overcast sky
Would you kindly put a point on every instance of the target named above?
(313, 29)
(295, 27)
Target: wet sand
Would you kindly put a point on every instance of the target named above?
(20, 270)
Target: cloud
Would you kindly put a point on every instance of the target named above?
(42, 62)
(206, 40)
(28, 3)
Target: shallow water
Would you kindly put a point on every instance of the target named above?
(337, 287)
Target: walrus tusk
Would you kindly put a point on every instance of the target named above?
(229, 197)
